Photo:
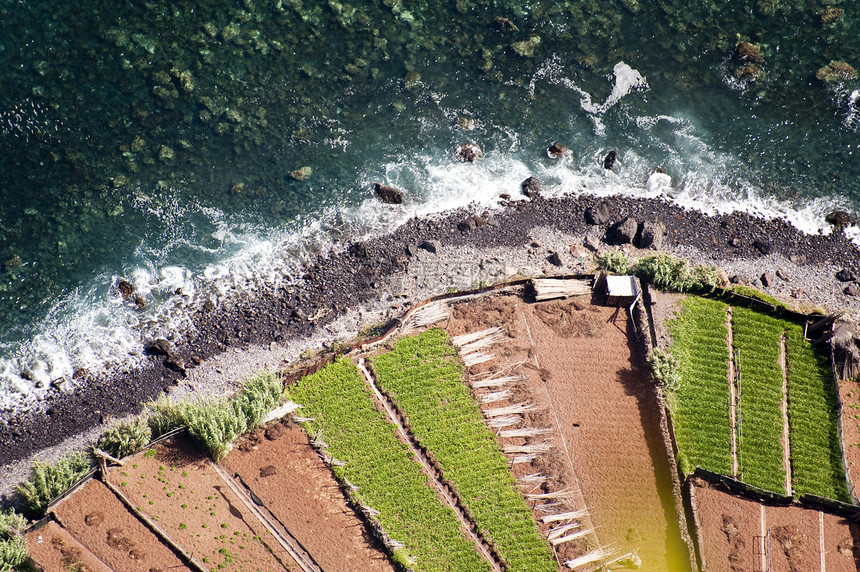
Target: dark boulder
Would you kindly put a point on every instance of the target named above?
(555, 259)
(125, 288)
(767, 279)
(851, 290)
(839, 219)
(388, 194)
(599, 214)
(652, 235)
(531, 187)
(558, 150)
(845, 275)
(763, 245)
(432, 246)
(735, 242)
(469, 153)
(609, 160)
(358, 250)
(472, 222)
(625, 231)
(159, 347)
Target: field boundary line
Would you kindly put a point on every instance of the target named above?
(733, 392)
(302, 558)
(439, 486)
(786, 434)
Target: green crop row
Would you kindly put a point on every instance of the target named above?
(424, 377)
(757, 339)
(701, 403)
(383, 469)
(816, 457)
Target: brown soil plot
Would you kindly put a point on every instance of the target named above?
(282, 469)
(579, 364)
(99, 520)
(53, 548)
(176, 486)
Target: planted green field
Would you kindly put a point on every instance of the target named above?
(424, 377)
(388, 478)
(816, 458)
(757, 339)
(701, 402)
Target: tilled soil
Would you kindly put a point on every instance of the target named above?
(283, 470)
(99, 520)
(580, 364)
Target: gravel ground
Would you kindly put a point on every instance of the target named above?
(375, 281)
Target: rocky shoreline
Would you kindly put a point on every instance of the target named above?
(377, 280)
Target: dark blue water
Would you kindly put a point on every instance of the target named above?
(162, 142)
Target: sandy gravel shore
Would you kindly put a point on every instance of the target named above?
(374, 281)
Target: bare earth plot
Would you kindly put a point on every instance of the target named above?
(596, 395)
(739, 534)
(285, 472)
(99, 520)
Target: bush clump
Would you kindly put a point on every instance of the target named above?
(126, 438)
(47, 480)
(669, 273)
(13, 546)
(664, 369)
(614, 261)
(215, 424)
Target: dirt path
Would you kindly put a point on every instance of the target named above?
(435, 479)
(783, 406)
(733, 394)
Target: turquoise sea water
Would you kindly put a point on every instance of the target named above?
(163, 142)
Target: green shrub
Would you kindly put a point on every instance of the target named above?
(614, 261)
(126, 438)
(753, 293)
(47, 480)
(214, 424)
(664, 369)
(13, 546)
(669, 273)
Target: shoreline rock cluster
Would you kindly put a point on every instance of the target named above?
(382, 277)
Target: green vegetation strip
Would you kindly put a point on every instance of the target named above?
(700, 405)
(383, 469)
(757, 341)
(424, 377)
(816, 457)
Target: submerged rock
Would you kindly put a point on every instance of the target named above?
(749, 52)
(526, 49)
(830, 14)
(504, 25)
(835, 72)
(302, 173)
(388, 194)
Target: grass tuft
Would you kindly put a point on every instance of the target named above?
(47, 481)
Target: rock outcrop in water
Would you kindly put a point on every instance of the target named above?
(836, 72)
(531, 187)
(839, 219)
(609, 160)
(388, 194)
(469, 152)
(558, 150)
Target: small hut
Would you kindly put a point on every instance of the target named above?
(621, 291)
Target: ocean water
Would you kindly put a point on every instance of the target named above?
(198, 150)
